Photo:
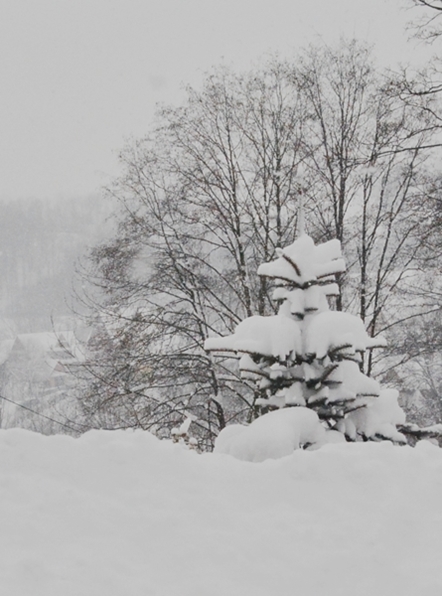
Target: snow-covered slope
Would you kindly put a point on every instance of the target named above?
(123, 514)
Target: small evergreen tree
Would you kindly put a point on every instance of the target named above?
(312, 357)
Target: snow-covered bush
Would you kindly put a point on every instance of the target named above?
(307, 357)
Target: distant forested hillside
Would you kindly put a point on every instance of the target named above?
(40, 245)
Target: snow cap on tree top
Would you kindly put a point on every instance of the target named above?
(303, 262)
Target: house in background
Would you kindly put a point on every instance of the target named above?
(37, 370)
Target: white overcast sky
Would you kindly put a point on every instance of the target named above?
(78, 77)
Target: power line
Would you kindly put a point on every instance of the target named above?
(41, 415)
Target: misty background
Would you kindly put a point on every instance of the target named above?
(81, 80)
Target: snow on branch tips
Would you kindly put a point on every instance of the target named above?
(306, 363)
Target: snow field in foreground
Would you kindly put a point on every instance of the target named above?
(121, 513)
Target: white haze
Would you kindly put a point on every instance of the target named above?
(78, 78)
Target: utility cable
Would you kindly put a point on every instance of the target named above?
(39, 414)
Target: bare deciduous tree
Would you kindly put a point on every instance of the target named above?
(213, 191)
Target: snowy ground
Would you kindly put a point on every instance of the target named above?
(121, 513)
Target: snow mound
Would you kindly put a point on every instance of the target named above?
(272, 436)
(124, 514)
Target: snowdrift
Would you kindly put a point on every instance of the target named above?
(124, 514)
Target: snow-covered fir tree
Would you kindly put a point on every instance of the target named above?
(307, 363)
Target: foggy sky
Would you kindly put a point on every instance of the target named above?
(79, 76)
